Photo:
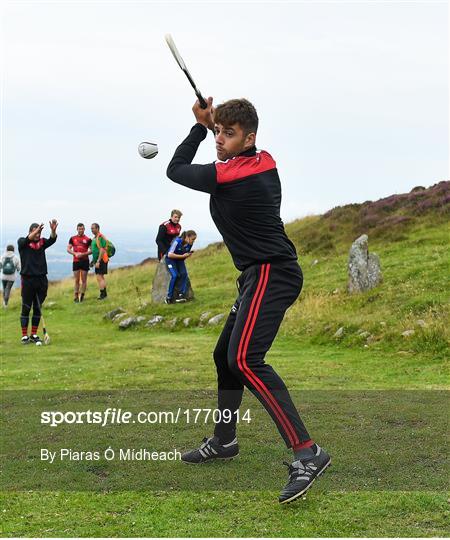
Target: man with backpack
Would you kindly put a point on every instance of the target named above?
(102, 250)
(9, 264)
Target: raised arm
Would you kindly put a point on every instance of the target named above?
(180, 169)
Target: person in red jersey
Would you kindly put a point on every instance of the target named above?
(79, 247)
(167, 232)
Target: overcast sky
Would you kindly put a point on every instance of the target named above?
(352, 99)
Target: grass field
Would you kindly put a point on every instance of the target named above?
(377, 402)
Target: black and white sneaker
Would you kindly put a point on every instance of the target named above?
(34, 338)
(181, 298)
(302, 474)
(168, 300)
(25, 340)
(210, 450)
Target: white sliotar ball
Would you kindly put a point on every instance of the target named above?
(148, 150)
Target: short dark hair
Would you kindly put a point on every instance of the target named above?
(33, 226)
(237, 111)
(9, 247)
(80, 225)
(96, 225)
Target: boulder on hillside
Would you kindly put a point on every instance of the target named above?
(364, 269)
(157, 319)
(111, 314)
(161, 284)
(118, 317)
(131, 321)
(216, 319)
(204, 318)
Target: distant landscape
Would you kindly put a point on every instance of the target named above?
(132, 248)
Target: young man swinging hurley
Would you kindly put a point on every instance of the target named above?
(245, 206)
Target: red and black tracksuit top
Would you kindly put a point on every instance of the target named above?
(32, 256)
(167, 232)
(245, 200)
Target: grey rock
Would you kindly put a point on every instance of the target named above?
(364, 269)
(118, 317)
(111, 314)
(408, 333)
(127, 323)
(173, 322)
(187, 322)
(315, 261)
(339, 332)
(364, 334)
(155, 320)
(161, 284)
(421, 323)
(140, 319)
(50, 304)
(204, 317)
(213, 321)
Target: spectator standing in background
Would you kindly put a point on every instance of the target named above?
(9, 265)
(167, 232)
(78, 246)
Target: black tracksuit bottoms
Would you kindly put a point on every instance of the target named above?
(265, 293)
(34, 292)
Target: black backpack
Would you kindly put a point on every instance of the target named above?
(9, 267)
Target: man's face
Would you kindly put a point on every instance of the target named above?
(175, 218)
(80, 230)
(231, 141)
(94, 230)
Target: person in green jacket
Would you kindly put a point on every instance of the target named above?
(99, 259)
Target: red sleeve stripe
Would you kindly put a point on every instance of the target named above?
(243, 166)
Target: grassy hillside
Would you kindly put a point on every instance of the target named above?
(375, 400)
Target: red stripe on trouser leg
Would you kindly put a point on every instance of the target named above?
(273, 405)
(245, 338)
(286, 424)
(305, 444)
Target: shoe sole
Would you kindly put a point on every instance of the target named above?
(300, 493)
(210, 460)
